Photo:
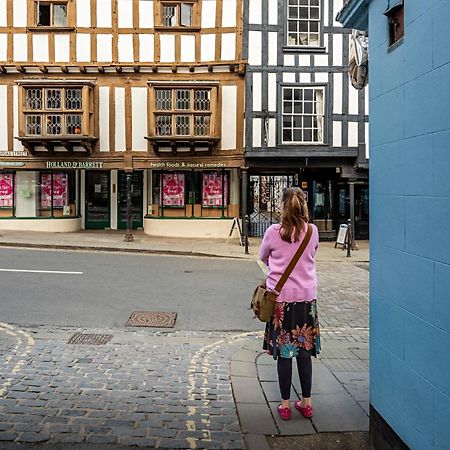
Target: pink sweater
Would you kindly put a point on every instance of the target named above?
(276, 253)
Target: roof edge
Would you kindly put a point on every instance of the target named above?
(354, 14)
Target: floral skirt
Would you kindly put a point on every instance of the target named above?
(293, 330)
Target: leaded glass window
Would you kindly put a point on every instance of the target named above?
(303, 115)
(177, 14)
(303, 22)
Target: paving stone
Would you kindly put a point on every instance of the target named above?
(271, 390)
(34, 437)
(247, 390)
(7, 436)
(255, 418)
(364, 406)
(101, 439)
(256, 442)
(138, 441)
(338, 412)
(243, 369)
(267, 372)
(297, 425)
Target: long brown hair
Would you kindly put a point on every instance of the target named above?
(295, 214)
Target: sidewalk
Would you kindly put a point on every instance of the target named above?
(112, 240)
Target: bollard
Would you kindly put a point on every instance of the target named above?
(246, 227)
(349, 238)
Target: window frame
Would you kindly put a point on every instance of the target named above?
(325, 133)
(304, 47)
(395, 18)
(33, 24)
(159, 19)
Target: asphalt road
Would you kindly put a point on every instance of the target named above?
(100, 290)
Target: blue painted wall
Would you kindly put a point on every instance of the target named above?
(410, 223)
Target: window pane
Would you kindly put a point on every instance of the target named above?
(53, 124)
(287, 94)
(60, 15)
(292, 26)
(308, 121)
(297, 94)
(293, 13)
(304, 13)
(307, 135)
(298, 121)
(313, 39)
(287, 107)
(308, 94)
(287, 136)
(73, 123)
(314, 2)
(163, 99)
(314, 27)
(202, 101)
(186, 15)
(182, 125)
(182, 99)
(43, 14)
(74, 99)
(53, 98)
(314, 13)
(298, 107)
(33, 99)
(163, 126)
(170, 18)
(308, 107)
(287, 122)
(303, 39)
(298, 136)
(201, 125)
(33, 124)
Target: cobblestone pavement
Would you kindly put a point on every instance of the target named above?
(157, 389)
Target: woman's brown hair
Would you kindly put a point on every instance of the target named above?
(295, 214)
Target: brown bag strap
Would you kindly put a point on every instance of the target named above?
(293, 262)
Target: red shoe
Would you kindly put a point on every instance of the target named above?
(285, 413)
(307, 411)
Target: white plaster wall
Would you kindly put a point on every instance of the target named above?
(3, 46)
(20, 47)
(337, 93)
(325, 12)
(272, 92)
(271, 138)
(3, 121)
(104, 48)
(337, 6)
(125, 13)
(254, 48)
(228, 46)
(337, 134)
(62, 47)
(83, 13)
(17, 144)
(256, 132)
(3, 22)
(125, 47)
(273, 48)
(40, 47)
(208, 47)
(255, 11)
(229, 101)
(20, 13)
(103, 115)
(288, 77)
(229, 13)
(167, 47)
(289, 60)
(305, 78)
(321, 77)
(104, 14)
(321, 60)
(366, 101)
(146, 48)
(83, 47)
(187, 47)
(45, 225)
(367, 135)
(256, 88)
(273, 12)
(146, 14)
(337, 49)
(353, 134)
(114, 188)
(208, 13)
(120, 119)
(352, 99)
(188, 228)
(139, 118)
(304, 60)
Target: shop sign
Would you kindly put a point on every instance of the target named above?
(74, 164)
(186, 165)
(14, 154)
(12, 163)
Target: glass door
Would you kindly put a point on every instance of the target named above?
(137, 213)
(97, 200)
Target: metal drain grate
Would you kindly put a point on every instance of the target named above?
(90, 339)
(152, 319)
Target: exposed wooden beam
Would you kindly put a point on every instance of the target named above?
(101, 69)
(21, 69)
(43, 69)
(137, 69)
(83, 69)
(2, 69)
(119, 69)
(64, 69)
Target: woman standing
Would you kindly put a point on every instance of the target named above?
(293, 331)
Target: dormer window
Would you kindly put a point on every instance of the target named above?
(51, 14)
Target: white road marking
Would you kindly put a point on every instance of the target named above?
(41, 271)
(18, 335)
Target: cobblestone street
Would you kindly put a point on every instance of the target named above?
(159, 389)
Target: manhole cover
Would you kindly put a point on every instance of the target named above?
(152, 319)
(90, 339)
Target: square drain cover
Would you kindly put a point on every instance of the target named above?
(90, 339)
(152, 319)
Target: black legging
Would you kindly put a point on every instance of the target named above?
(284, 366)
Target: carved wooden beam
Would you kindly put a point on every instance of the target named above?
(83, 69)
(2, 69)
(43, 69)
(64, 69)
(21, 69)
(119, 69)
(101, 69)
(137, 69)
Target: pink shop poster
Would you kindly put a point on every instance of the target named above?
(173, 189)
(6, 190)
(59, 190)
(212, 189)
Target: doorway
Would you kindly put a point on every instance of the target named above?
(137, 212)
(97, 212)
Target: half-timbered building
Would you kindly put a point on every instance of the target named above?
(305, 124)
(93, 90)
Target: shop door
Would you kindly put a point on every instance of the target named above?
(137, 212)
(362, 212)
(97, 200)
